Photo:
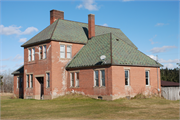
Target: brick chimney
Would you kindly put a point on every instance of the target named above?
(91, 26)
(56, 14)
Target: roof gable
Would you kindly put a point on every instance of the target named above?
(117, 52)
(71, 31)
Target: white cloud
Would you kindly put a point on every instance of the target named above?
(151, 40)
(7, 59)
(19, 64)
(153, 57)
(169, 61)
(161, 24)
(23, 40)
(17, 57)
(16, 30)
(162, 49)
(1, 71)
(88, 4)
(169, 66)
(105, 25)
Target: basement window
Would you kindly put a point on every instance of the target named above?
(127, 77)
(62, 51)
(147, 77)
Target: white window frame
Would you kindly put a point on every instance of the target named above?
(27, 81)
(71, 85)
(101, 79)
(95, 84)
(40, 50)
(69, 52)
(48, 80)
(77, 80)
(147, 78)
(31, 80)
(62, 52)
(127, 79)
(18, 82)
(33, 54)
(29, 54)
(44, 51)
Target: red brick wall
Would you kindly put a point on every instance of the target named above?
(137, 80)
(86, 82)
(52, 64)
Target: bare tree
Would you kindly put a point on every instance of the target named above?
(7, 81)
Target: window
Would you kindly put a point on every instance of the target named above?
(27, 84)
(147, 77)
(29, 52)
(96, 78)
(31, 81)
(68, 51)
(62, 51)
(77, 79)
(47, 80)
(44, 52)
(33, 54)
(127, 77)
(20, 83)
(17, 82)
(40, 52)
(72, 79)
(102, 77)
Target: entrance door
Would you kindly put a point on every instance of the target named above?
(41, 82)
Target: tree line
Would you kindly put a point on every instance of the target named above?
(171, 75)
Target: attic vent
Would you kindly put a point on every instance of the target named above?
(117, 39)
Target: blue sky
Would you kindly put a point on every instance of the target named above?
(153, 26)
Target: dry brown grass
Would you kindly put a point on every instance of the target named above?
(82, 107)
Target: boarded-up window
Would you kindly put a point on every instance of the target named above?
(62, 51)
(102, 77)
(27, 81)
(44, 52)
(96, 78)
(147, 77)
(47, 80)
(29, 54)
(68, 51)
(72, 79)
(126, 77)
(33, 54)
(77, 79)
(40, 52)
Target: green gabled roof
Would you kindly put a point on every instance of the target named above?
(71, 31)
(117, 52)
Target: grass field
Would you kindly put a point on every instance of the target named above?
(82, 107)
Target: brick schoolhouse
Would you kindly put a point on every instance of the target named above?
(97, 61)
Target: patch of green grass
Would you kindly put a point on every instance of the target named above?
(81, 107)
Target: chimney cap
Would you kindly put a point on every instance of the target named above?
(91, 14)
(56, 10)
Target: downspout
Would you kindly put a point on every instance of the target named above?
(157, 75)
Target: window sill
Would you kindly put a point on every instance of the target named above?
(99, 86)
(66, 58)
(148, 85)
(29, 88)
(42, 59)
(73, 87)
